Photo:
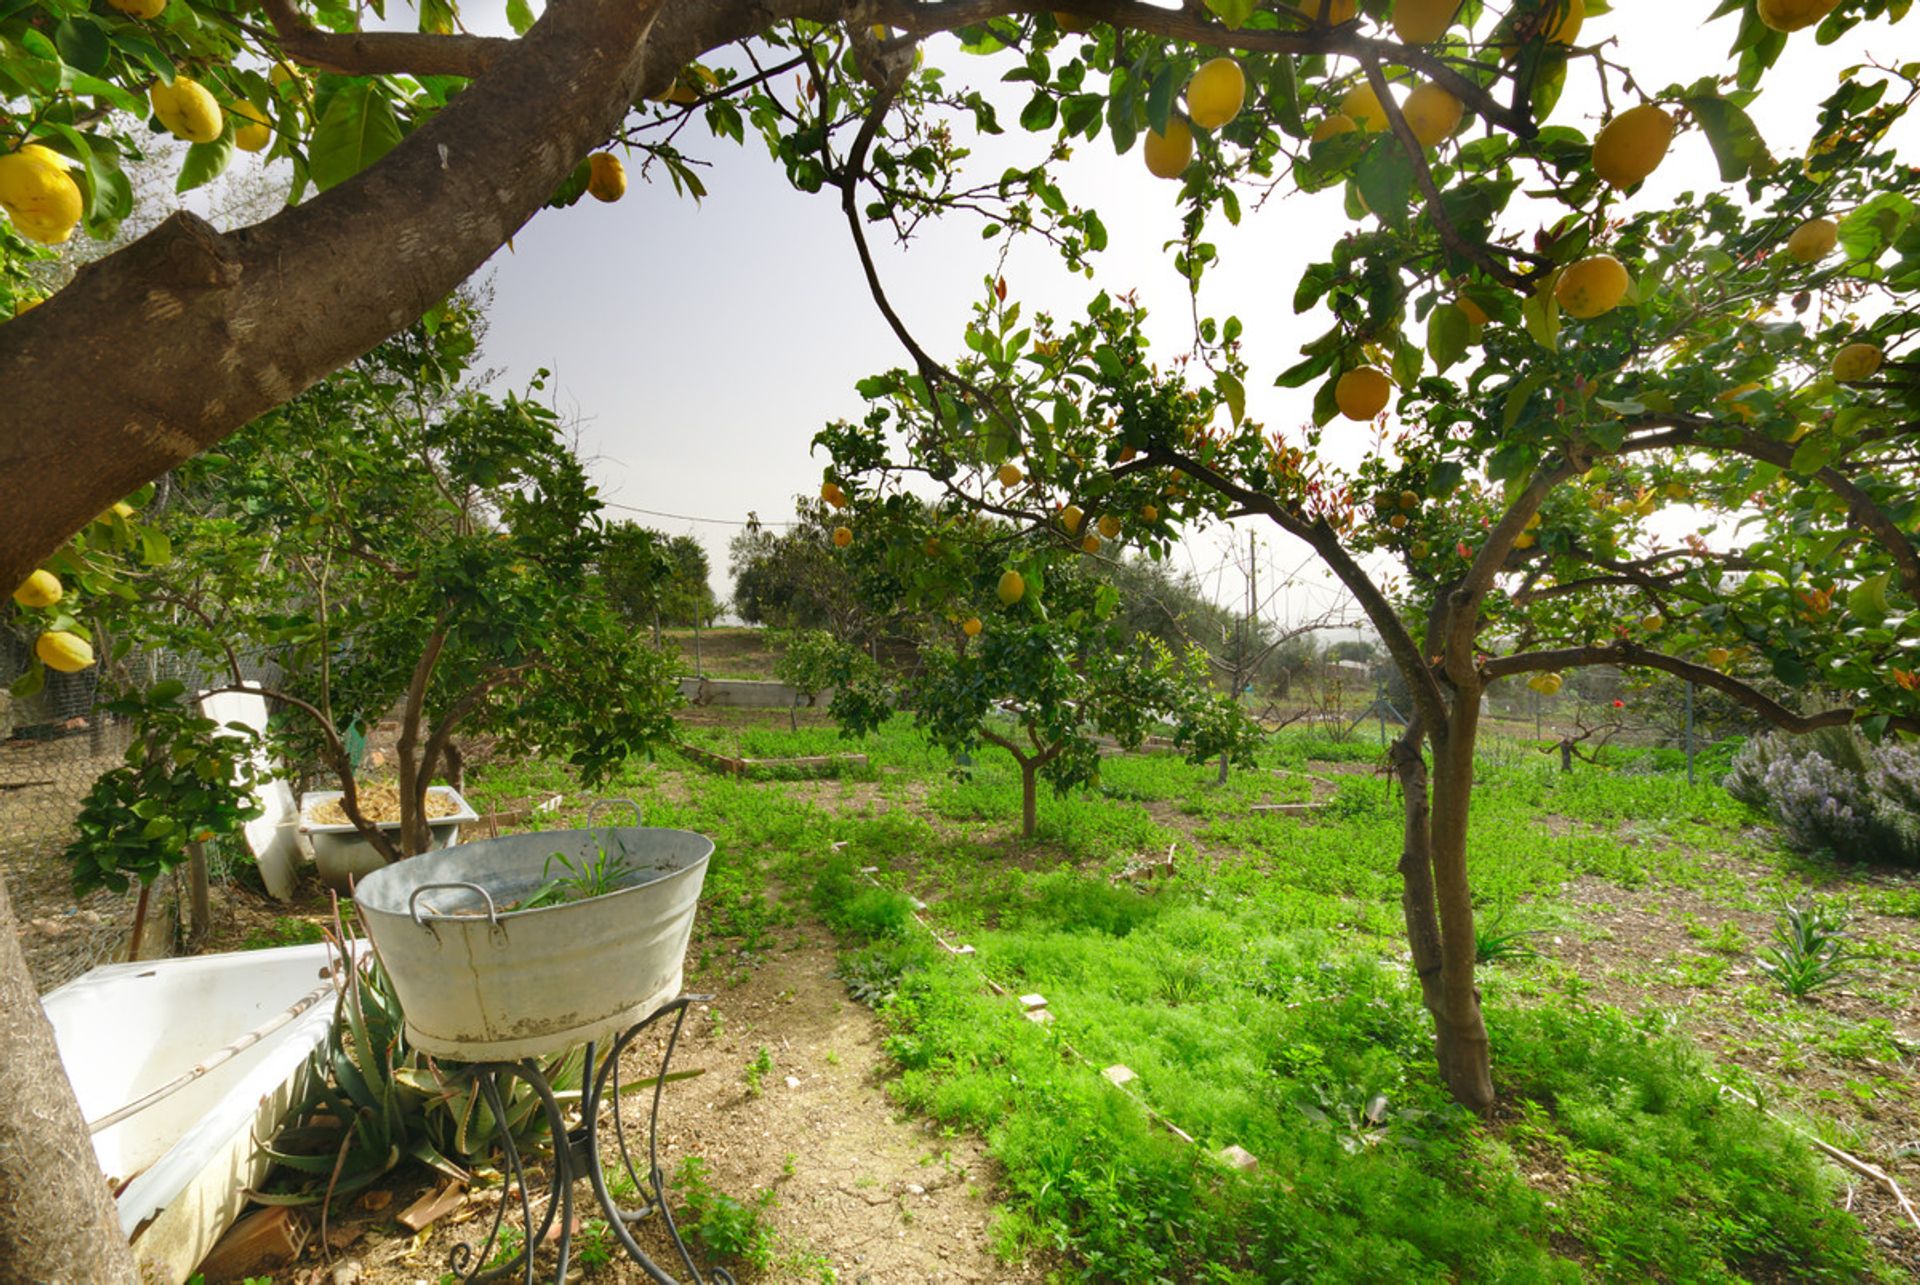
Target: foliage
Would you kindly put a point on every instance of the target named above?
(1809, 950)
(652, 578)
(397, 538)
(186, 779)
(792, 579)
(812, 660)
(380, 1102)
(1835, 792)
(731, 1228)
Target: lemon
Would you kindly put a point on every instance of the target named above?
(606, 177)
(1792, 15)
(1216, 93)
(1409, 499)
(1591, 287)
(1150, 512)
(1420, 550)
(1071, 517)
(1735, 399)
(68, 653)
(1333, 126)
(1169, 154)
(42, 589)
(1813, 240)
(1362, 106)
(1338, 11)
(1010, 475)
(1362, 393)
(1718, 657)
(1546, 684)
(1109, 527)
(832, 494)
(1632, 145)
(187, 110)
(1855, 362)
(1653, 623)
(1398, 521)
(1421, 22)
(1092, 543)
(1012, 588)
(972, 627)
(1432, 114)
(842, 536)
(252, 131)
(145, 10)
(39, 194)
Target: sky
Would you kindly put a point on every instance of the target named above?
(699, 346)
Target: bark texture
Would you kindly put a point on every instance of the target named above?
(57, 1218)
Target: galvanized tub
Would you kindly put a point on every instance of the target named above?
(481, 983)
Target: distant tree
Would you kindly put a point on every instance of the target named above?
(654, 579)
(1356, 650)
(792, 579)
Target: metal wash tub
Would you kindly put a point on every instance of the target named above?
(481, 983)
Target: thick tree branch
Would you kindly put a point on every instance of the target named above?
(1631, 655)
(380, 53)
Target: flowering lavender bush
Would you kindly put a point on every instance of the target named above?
(1835, 792)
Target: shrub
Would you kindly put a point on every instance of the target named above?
(1833, 791)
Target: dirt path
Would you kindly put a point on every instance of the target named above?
(856, 1189)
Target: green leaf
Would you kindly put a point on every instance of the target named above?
(1541, 313)
(1233, 13)
(357, 129)
(1283, 96)
(1236, 394)
(1447, 335)
(30, 682)
(519, 16)
(1385, 180)
(1731, 132)
(1160, 97)
(205, 162)
(82, 45)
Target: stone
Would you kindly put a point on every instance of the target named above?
(1120, 1074)
(1035, 1000)
(1238, 1157)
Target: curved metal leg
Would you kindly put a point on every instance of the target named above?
(577, 1155)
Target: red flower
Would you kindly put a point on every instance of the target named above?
(1619, 704)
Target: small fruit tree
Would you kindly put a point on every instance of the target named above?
(395, 540)
(1042, 671)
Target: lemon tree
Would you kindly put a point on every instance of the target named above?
(1533, 317)
(1019, 652)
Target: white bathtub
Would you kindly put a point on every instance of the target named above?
(182, 1164)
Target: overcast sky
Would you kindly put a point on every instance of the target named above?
(701, 345)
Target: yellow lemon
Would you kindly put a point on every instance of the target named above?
(1632, 145)
(1169, 154)
(1150, 512)
(1012, 588)
(187, 110)
(972, 627)
(39, 194)
(1546, 684)
(1071, 517)
(1362, 106)
(1718, 656)
(1432, 114)
(1419, 550)
(1813, 240)
(1362, 393)
(1338, 11)
(1792, 15)
(42, 589)
(1333, 126)
(1109, 527)
(1216, 92)
(1591, 287)
(252, 130)
(1421, 22)
(145, 10)
(1010, 475)
(832, 494)
(842, 536)
(1524, 540)
(1091, 544)
(1855, 362)
(606, 177)
(68, 653)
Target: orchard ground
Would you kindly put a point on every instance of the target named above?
(1258, 991)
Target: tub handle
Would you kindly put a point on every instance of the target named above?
(593, 813)
(493, 915)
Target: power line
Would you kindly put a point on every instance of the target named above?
(687, 517)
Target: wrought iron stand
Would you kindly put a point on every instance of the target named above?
(577, 1154)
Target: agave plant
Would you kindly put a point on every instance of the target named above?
(1809, 948)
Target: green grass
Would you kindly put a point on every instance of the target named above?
(1261, 996)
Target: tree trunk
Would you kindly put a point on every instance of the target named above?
(1029, 782)
(139, 922)
(198, 895)
(1416, 866)
(1461, 1034)
(57, 1218)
